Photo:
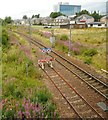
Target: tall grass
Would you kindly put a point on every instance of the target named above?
(20, 89)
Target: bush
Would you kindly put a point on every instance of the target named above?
(18, 94)
(90, 52)
(5, 38)
(64, 37)
(43, 96)
(12, 58)
(64, 48)
(88, 60)
(51, 107)
(9, 90)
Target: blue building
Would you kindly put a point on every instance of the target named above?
(70, 9)
(67, 9)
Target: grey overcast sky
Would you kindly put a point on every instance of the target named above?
(17, 8)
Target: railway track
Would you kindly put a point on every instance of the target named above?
(77, 103)
(86, 77)
(92, 81)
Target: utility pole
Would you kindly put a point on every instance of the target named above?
(69, 38)
(30, 31)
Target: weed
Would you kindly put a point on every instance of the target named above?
(64, 37)
(88, 60)
(90, 52)
(43, 96)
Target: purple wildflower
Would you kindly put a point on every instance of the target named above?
(54, 114)
(19, 114)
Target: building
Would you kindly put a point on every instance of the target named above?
(104, 19)
(85, 18)
(97, 25)
(67, 9)
(61, 20)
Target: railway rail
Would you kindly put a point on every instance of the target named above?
(86, 77)
(77, 103)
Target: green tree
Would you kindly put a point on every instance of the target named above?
(37, 16)
(25, 17)
(33, 16)
(96, 16)
(8, 20)
(82, 12)
(56, 14)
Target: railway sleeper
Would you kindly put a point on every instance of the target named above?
(82, 105)
(104, 90)
(91, 81)
(86, 113)
(99, 87)
(75, 98)
(77, 101)
(95, 84)
(54, 76)
(85, 76)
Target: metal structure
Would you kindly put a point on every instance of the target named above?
(42, 62)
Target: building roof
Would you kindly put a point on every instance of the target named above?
(105, 17)
(84, 15)
(61, 17)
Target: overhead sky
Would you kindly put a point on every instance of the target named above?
(17, 8)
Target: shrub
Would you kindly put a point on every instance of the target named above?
(18, 94)
(90, 52)
(43, 96)
(9, 90)
(64, 37)
(51, 107)
(76, 51)
(12, 58)
(64, 48)
(5, 38)
(88, 60)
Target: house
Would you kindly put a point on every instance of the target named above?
(47, 21)
(36, 21)
(96, 24)
(61, 20)
(104, 20)
(85, 18)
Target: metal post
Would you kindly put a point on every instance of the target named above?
(69, 39)
(30, 32)
(27, 69)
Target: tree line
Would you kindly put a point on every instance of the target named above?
(94, 14)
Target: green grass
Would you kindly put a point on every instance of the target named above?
(16, 85)
(90, 38)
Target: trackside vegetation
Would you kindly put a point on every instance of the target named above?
(23, 96)
(88, 45)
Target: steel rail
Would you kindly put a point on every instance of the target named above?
(76, 92)
(62, 94)
(82, 79)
